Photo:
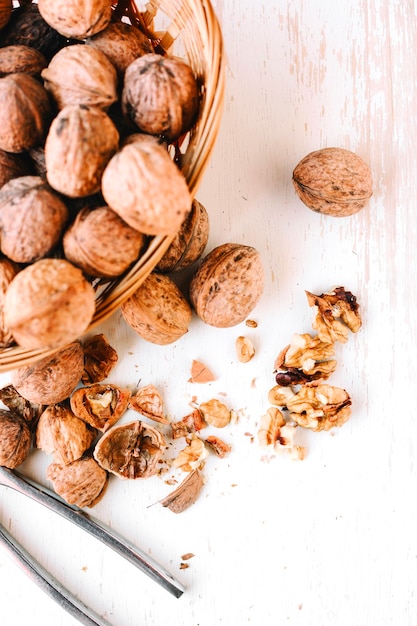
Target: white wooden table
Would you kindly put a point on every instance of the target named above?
(331, 539)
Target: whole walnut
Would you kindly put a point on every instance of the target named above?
(227, 285)
(158, 311)
(122, 43)
(76, 19)
(53, 378)
(15, 439)
(159, 200)
(15, 59)
(333, 181)
(101, 243)
(8, 271)
(80, 142)
(6, 7)
(24, 112)
(13, 165)
(82, 482)
(161, 96)
(32, 219)
(48, 304)
(82, 75)
(189, 243)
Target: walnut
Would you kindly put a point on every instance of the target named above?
(148, 401)
(100, 405)
(122, 43)
(24, 112)
(63, 434)
(76, 19)
(305, 359)
(96, 78)
(159, 200)
(99, 359)
(189, 243)
(218, 446)
(185, 494)
(192, 456)
(101, 243)
(15, 439)
(216, 413)
(189, 424)
(14, 59)
(6, 7)
(81, 483)
(131, 450)
(80, 142)
(227, 285)
(333, 181)
(158, 311)
(53, 378)
(13, 166)
(315, 406)
(32, 219)
(276, 432)
(336, 313)
(244, 349)
(8, 271)
(11, 398)
(161, 96)
(48, 304)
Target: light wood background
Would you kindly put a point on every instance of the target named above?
(332, 539)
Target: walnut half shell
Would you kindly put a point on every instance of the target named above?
(100, 405)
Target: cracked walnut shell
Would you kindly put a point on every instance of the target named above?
(99, 359)
(100, 405)
(333, 181)
(148, 401)
(227, 285)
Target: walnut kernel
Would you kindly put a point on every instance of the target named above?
(100, 405)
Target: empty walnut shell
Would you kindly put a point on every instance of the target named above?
(76, 19)
(15, 439)
(227, 285)
(159, 200)
(81, 483)
(21, 59)
(100, 405)
(131, 450)
(82, 75)
(333, 181)
(48, 304)
(101, 243)
(53, 378)
(32, 219)
(189, 243)
(157, 310)
(99, 359)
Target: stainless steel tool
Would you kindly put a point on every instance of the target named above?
(42, 495)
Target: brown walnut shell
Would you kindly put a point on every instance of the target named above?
(122, 43)
(15, 439)
(227, 285)
(53, 378)
(81, 483)
(157, 310)
(48, 304)
(82, 75)
(24, 59)
(80, 142)
(101, 243)
(131, 450)
(99, 359)
(76, 19)
(159, 200)
(24, 112)
(32, 219)
(6, 7)
(333, 181)
(189, 243)
(160, 96)
(100, 405)
(13, 166)
(8, 271)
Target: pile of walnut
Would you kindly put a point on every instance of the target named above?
(62, 406)
(300, 371)
(93, 117)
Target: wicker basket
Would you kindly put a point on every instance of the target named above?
(189, 30)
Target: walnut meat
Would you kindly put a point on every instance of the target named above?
(333, 181)
(53, 378)
(15, 439)
(81, 483)
(131, 450)
(76, 19)
(189, 243)
(159, 200)
(160, 96)
(157, 310)
(23, 59)
(227, 285)
(48, 304)
(305, 359)
(100, 405)
(24, 112)
(8, 271)
(336, 312)
(101, 243)
(80, 142)
(32, 219)
(96, 78)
